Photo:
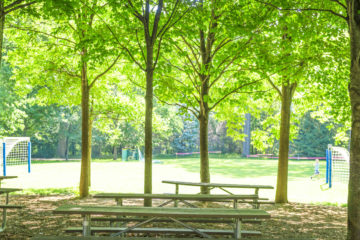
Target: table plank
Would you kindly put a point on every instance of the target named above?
(195, 197)
(7, 177)
(224, 185)
(9, 190)
(162, 212)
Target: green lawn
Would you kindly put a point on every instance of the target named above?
(117, 176)
(242, 167)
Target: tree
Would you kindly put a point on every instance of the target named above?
(214, 43)
(313, 137)
(147, 23)
(6, 7)
(69, 53)
(342, 13)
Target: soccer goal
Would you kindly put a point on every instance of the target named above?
(15, 151)
(337, 165)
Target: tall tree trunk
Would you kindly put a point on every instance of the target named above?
(354, 91)
(67, 148)
(85, 131)
(204, 152)
(2, 23)
(114, 152)
(282, 176)
(90, 142)
(148, 125)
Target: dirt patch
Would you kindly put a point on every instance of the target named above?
(301, 221)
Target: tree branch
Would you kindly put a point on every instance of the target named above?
(138, 42)
(304, 9)
(18, 7)
(40, 32)
(104, 72)
(193, 111)
(231, 92)
(341, 4)
(136, 13)
(273, 85)
(117, 39)
(163, 29)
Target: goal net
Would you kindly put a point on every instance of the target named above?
(15, 151)
(337, 162)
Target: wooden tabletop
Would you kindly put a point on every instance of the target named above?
(196, 197)
(224, 185)
(7, 177)
(9, 190)
(163, 212)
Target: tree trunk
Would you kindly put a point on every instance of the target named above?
(90, 142)
(282, 175)
(67, 148)
(85, 131)
(354, 91)
(148, 125)
(204, 152)
(2, 22)
(115, 152)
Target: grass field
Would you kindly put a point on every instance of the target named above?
(116, 176)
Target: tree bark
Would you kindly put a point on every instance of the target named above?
(85, 132)
(204, 153)
(67, 148)
(114, 152)
(2, 22)
(354, 92)
(282, 175)
(148, 124)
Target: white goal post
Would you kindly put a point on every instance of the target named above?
(15, 151)
(337, 165)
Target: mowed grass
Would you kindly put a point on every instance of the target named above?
(54, 177)
(242, 167)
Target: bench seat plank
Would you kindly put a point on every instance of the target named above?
(9, 190)
(163, 212)
(110, 238)
(195, 197)
(10, 206)
(163, 230)
(198, 220)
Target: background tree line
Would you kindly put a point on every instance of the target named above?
(55, 130)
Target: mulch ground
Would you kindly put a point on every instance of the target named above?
(294, 220)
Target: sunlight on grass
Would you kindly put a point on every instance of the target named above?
(240, 168)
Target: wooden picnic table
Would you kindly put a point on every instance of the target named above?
(173, 214)
(6, 177)
(178, 197)
(6, 206)
(222, 186)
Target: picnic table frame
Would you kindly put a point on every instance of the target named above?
(184, 198)
(6, 206)
(153, 213)
(221, 186)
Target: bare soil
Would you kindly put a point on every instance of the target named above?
(293, 220)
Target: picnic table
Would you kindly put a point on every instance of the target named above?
(223, 187)
(6, 206)
(172, 214)
(6, 177)
(178, 197)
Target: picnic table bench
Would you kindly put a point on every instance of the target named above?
(185, 198)
(172, 214)
(178, 197)
(223, 186)
(6, 206)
